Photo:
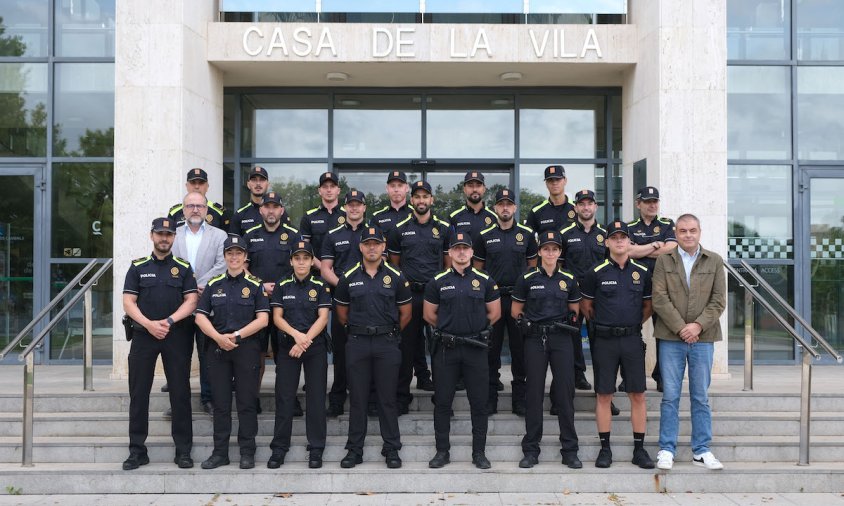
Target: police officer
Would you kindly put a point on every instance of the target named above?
(506, 250)
(555, 212)
(159, 295)
(268, 246)
(300, 304)
(461, 303)
(197, 181)
(373, 300)
(583, 247)
(341, 252)
(238, 308)
(398, 209)
(316, 222)
(544, 298)
(616, 301)
(249, 215)
(651, 236)
(474, 216)
(419, 245)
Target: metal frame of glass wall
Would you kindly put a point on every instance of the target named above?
(91, 159)
(765, 13)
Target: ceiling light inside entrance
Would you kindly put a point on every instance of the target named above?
(337, 76)
(510, 76)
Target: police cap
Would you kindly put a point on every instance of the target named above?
(163, 225)
(505, 194)
(372, 234)
(550, 237)
(421, 185)
(473, 175)
(460, 238)
(197, 173)
(397, 175)
(555, 172)
(583, 195)
(328, 176)
(258, 171)
(355, 196)
(272, 197)
(303, 247)
(617, 227)
(648, 193)
(234, 241)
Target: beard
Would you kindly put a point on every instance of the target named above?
(195, 221)
(474, 197)
(163, 247)
(421, 208)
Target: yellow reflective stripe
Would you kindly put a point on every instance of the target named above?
(393, 269)
(571, 226)
(531, 273)
(479, 273)
(524, 227)
(598, 268)
(540, 205)
(216, 278)
(254, 228)
(181, 261)
(637, 264)
(350, 271)
(443, 273)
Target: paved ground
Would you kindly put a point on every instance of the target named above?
(430, 499)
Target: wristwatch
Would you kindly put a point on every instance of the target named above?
(237, 338)
(170, 320)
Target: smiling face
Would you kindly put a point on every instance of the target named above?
(687, 232)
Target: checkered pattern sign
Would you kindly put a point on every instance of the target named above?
(826, 247)
(759, 247)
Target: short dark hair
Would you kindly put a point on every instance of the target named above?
(688, 216)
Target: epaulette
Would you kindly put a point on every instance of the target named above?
(637, 264)
(338, 227)
(571, 226)
(175, 209)
(480, 273)
(343, 208)
(566, 274)
(488, 229)
(599, 267)
(530, 230)
(311, 211)
(292, 229)
(316, 281)
(667, 221)
(634, 222)
(282, 283)
(350, 271)
(181, 261)
(382, 210)
(393, 269)
(540, 205)
(455, 213)
(244, 207)
(140, 261)
(402, 222)
(436, 219)
(216, 278)
(216, 207)
(600, 227)
(253, 228)
(255, 280)
(531, 272)
(441, 274)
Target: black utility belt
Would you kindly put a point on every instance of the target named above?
(416, 286)
(505, 290)
(607, 331)
(550, 327)
(371, 330)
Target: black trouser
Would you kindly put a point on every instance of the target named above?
(243, 364)
(411, 339)
(371, 358)
(516, 353)
(175, 351)
(577, 346)
(337, 395)
(449, 365)
(287, 370)
(204, 382)
(557, 351)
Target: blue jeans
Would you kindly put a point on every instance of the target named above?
(673, 356)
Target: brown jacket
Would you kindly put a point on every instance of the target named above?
(677, 304)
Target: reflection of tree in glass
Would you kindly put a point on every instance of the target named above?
(17, 137)
(527, 200)
(83, 208)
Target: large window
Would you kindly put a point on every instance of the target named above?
(759, 113)
(820, 102)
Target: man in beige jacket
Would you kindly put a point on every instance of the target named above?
(689, 295)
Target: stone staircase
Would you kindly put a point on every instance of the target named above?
(81, 439)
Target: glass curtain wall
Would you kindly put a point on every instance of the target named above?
(57, 112)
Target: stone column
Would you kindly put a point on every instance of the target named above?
(675, 116)
(168, 118)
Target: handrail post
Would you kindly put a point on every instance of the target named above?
(748, 341)
(88, 344)
(28, 407)
(805, 407)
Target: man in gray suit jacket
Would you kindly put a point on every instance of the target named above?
(202, 246)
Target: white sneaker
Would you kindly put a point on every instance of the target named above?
(665, 459)
(708, 461)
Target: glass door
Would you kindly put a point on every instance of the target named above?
(20, 251)
(823, 197)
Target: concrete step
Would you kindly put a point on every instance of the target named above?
(115, 424)
(458, 477)
(421, 448)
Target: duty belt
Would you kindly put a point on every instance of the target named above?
(371, 330)
(606, 331)
(415, 286)
(550, 326)
(505, 290)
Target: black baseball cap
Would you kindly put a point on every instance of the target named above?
(328, 176)
(648, 193)
(397, 175)
(505, 194)
(197, 173)
(163, 225)
(421, 185)
(617, 227)
(474, 175)
(258, 171)
(272, 197)
(583, 195)
(372, 234)
(303, 246)
(555, 172)
(355, 195)
(460, 238)
(234, 241)
(550, 237)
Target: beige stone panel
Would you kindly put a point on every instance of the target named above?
(709, 70)
(675, 115)
(676, 13)
(675, 59)
(151, 11)
(149, 55)
(709, 120)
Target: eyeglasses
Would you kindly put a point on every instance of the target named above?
(195, 206)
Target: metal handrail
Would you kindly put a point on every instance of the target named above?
(28, 358)
(49, 307)
(809, 352)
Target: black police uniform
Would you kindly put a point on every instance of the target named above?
(268, 258)
(547, 216)
(468, 221)
(161, 286)
(248, 216)
(581, 251)
(216, 217)
(341, 245)
(316, 223)
(546, 298)
(461, 311)
(372, 350)
(231, 303)
(505, 254)
(617, 327)
(300, 302)
(421, 246)
(387, 217)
